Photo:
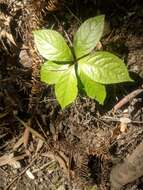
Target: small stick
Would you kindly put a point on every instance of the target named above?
(73, 15)
(46, 137)
(26, 136)
(30, 129)
(3, 171)
(127, 99)
(68, 38)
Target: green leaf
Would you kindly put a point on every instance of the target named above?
(93, 89)
(51, 72)
(104, 67)
(52, 46)
(66, 89)
(88, 35)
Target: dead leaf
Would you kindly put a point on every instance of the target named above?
(62, 160)
(39, 145)
(9, 159)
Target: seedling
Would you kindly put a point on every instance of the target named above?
(70, 68)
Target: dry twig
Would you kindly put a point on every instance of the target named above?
(127, 99)
(30, 129)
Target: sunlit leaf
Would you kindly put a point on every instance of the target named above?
(104, 67)
(88, 35)
(93, 89)
(66, 88)
(52, 46)
(51, 72)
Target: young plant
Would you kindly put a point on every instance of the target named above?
(69, 69)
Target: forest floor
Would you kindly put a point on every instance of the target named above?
(78, 147)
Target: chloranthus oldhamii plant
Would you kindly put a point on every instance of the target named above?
(70, 68)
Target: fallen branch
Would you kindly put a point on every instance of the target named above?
(127, 99)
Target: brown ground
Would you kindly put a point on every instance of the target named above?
(76, 148)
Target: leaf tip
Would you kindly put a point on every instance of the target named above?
(131, 80)
(63, 106)
(101, 102)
